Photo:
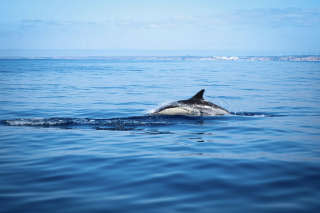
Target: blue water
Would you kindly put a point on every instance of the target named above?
(82, 140)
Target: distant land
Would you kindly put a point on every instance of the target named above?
(294, 58)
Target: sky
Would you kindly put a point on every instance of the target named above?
(215, 27)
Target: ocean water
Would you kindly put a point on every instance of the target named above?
(76, 136)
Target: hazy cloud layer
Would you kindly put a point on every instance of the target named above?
(237, 29)
(290, 17)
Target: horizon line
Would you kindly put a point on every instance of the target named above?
(292, 58)
(49, 52)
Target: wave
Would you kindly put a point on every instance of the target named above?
(111, 124)
(125, 123)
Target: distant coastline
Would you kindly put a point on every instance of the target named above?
(294, 58)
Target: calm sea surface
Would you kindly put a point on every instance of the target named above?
(75, 137)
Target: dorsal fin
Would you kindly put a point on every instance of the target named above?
(198, 96)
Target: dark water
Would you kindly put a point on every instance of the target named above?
(81, 140)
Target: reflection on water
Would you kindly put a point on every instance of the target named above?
(254, 156)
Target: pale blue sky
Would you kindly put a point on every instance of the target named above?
(232, 27)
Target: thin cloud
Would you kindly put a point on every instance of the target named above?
(289, 17)
(258, 18)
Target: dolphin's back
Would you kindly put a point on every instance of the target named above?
(195, 106)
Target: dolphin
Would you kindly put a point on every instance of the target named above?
(195, 106)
